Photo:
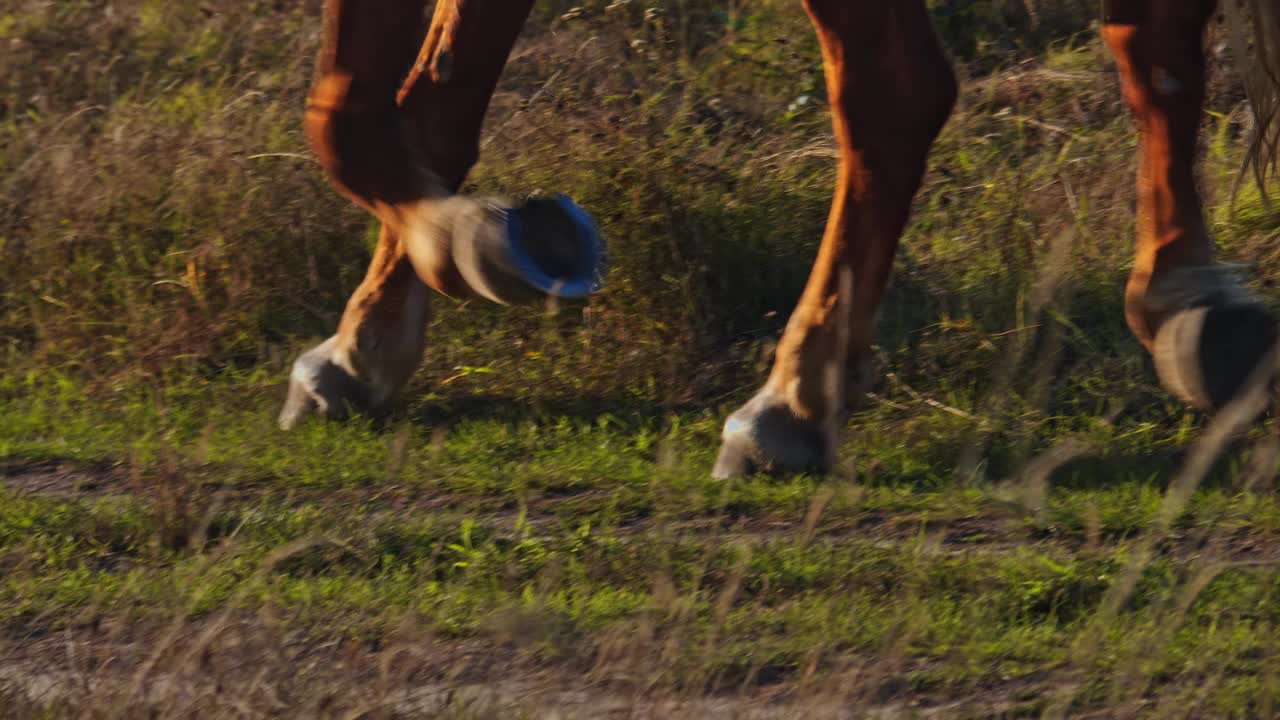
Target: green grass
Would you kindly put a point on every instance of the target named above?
(564, 530)
(541, 498)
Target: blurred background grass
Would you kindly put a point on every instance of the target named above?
(161, 216)
(161, 213)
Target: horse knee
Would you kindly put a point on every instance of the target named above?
(361, 152)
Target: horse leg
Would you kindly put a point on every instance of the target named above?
(1204, 331)
(891, 90)
(400, 148)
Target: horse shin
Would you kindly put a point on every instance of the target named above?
(891, 91)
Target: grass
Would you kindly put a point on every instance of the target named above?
(534, 529)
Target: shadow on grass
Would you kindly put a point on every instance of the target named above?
(619, 414)
(1152, 469)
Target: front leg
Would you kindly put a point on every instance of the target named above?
(394, 117)
(891, 91)
(1204, 330)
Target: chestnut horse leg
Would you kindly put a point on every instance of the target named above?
(891, 90)
(397, 147)
(1204, 330)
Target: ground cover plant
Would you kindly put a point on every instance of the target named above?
(1022, 524)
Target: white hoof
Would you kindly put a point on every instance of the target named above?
(318, 383)
(765, 436)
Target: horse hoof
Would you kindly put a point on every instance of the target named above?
(318, 384)
(1204, 354)
(765, 436)
(546, 247)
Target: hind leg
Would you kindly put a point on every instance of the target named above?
(891, 91)
(1205, 332)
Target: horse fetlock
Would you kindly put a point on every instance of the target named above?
(1181, 288)
(766, 435)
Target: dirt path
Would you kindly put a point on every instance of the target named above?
(989, 533)
(248, 668)
(63, 479)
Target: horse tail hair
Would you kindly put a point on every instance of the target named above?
(1254, 31)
